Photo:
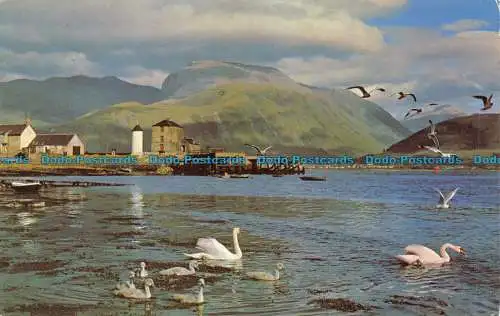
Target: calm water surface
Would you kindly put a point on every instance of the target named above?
(355, 221)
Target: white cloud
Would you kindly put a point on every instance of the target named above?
(60, 63)
(142, 76)
(13, 76)
(435, 68)
(464, 25)
(328, 23)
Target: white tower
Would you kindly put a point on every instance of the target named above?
(137, 138)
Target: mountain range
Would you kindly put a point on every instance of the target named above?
(223, 104)
(58, 99)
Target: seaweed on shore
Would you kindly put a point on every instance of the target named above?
(36, 266)
(431, 304)
(48, 309)
(177, 242)
(125, 234)
(341, 304)
(4, 263)
(103, 273)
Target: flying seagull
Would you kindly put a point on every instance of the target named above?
(444, 201)
(413, 110)
(403, 95)
(433, 134)
(259, 151)
(487, 103)
(434, 149)
(363, 90)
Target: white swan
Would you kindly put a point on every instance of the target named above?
(444, 201)
(421, 255)
(191, 299)
(136, 293)
(127, 284)
(181, 270)
(265, 276)
(141, 271)
(214, 250)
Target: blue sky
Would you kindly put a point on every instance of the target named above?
(443, 50)
(434, 13)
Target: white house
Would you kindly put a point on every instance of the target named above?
(57, 144)
(15, 138)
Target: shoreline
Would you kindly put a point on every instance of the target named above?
(137, 170)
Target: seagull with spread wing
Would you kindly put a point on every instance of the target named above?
(403, 95)
(366, 94)
(413, 110)
(434, 149)
(444, 201)
(433, 134)
(487, 102)
(259, 151)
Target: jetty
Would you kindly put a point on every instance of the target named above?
(69, 183)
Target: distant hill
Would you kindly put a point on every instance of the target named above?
(473, 132)
(207, 74)
(438, 113)
(57, 100)
(233, 114)
(220, 104)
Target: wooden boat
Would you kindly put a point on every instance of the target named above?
(25, 186)
(312, 178)
(239, 176)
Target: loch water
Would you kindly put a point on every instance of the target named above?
(69, 255)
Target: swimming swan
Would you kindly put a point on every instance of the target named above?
(136, 293)
(191, 299)
(180, 270)
(214, 250)
(265, 276)
(127, 284)
(421, 255)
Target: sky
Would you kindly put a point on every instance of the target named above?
(444, 51)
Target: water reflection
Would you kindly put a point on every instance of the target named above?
(137, 207)
(235, 265)
(137, 201)
(25, 219)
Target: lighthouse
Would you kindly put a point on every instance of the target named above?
(137, 139)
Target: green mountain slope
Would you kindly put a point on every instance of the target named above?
(206, 74)
(233, 114)
(56, 100)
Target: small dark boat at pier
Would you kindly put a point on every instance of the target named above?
(277, 175)
(312, 178)
(25, 186)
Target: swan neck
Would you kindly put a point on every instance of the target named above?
(237, 249)
(277, 274)
(148, 292)
(443, 252)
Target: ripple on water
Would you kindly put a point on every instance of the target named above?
(98, 241)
